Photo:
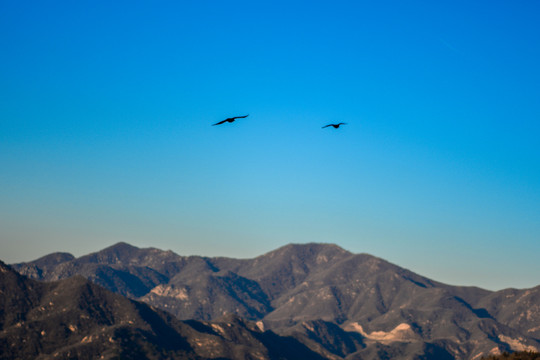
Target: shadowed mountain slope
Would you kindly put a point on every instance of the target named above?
(519, 309)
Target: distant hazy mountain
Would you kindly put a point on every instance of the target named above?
(352, 306)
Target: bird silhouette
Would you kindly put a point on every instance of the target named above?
(231, 119)
(334, 125)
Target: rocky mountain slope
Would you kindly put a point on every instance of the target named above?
(75, 319)
(351, 305)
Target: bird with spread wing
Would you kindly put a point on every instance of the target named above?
(334, 125)
(230, 120)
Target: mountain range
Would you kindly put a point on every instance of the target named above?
(320, 298)
(76, 319)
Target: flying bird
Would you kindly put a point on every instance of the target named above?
(334, 125)
(231, 119)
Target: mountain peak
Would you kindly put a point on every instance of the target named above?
(308, 250)
(121, 246)
(116, 253)
(54, 259)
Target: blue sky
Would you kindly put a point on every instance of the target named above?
(106, 136)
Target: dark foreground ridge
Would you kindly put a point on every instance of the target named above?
(338, 304)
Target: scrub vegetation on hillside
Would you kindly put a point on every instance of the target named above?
(520, 355)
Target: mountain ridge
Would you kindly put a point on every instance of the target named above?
(387, 305)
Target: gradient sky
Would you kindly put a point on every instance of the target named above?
(105, 130)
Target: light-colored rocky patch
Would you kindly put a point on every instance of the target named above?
(87, 339)
(517, 344)
(169, 291)
(403, 333)
(477, 356)
(321, 259)
(534, 329)
(218, 328)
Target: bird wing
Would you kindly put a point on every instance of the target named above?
(342, 124)
(221, 122)
(326, 126)
(241, 117)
